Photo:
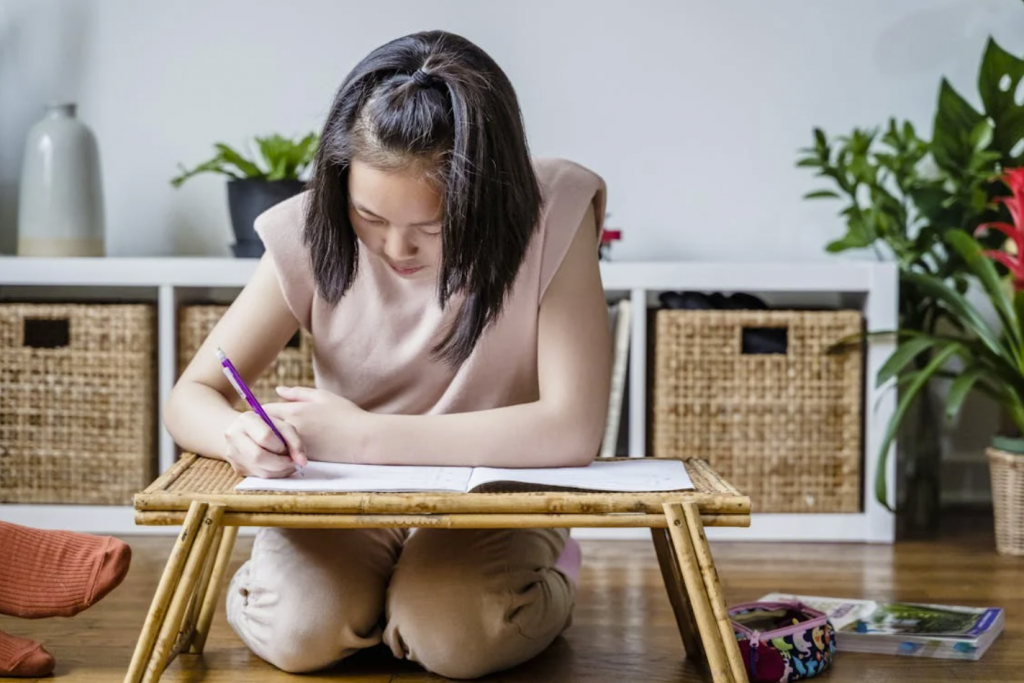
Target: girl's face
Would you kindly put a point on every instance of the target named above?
(397, 216)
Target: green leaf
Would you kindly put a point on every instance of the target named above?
(808, 163)
(855, 238)
(902, 407)
(819, 138)
(955, 119)
(910, 377)
(1018, 305)
(215, 165)
(908, 131)
(906, 352)
(985, 271)
(981, 136)
(821, 194)
(929, 200)
(999, 101)
(960, 389)
(229, 155)
(962, 309)
(308, 146)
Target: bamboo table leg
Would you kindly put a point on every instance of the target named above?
(710, 635)
(676, 590)
(714, 590)
(187, 632)
(162, 653)
(209, 603)
(164, 592)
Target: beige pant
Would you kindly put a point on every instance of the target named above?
(461, 603)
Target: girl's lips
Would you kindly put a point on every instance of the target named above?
(405, 271)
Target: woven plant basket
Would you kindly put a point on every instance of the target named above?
(293, 366)
(784, 428)
(77, 402)
(1007, 472)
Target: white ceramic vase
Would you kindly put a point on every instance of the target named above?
(60, 209)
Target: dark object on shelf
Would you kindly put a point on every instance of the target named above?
(697, 301)
(247, 199)
(755, 340)
(248, 249)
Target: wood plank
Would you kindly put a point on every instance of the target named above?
(623, 626)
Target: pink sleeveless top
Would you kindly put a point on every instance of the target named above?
(374, 346)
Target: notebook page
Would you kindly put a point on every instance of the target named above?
(641, 474)
(338, 477)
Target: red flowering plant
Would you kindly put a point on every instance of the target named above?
(991, 357)
(1014, 179)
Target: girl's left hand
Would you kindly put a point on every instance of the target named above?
(326, 423)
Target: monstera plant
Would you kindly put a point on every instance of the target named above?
(903, 196)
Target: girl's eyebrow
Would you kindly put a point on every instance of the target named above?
(360, 207)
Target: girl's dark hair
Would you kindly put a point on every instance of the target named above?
(437, 102)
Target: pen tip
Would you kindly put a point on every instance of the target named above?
(220, 354)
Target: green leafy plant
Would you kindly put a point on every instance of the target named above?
(280, 158)
(905, 197)
(991, 358)
(900, 202)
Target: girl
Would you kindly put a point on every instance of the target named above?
(452, 288)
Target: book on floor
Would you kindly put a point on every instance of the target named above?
(636, 475)
(902, 628)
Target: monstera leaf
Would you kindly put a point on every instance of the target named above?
(960, 130)
(998, 81)
(955, 121)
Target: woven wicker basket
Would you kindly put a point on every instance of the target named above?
(293, 366)
(1007, 472)
(77, 402)
(784, 428)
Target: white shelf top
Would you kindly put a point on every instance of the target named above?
(821, 276)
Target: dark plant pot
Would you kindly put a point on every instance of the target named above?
(918, 470)
(247, 199)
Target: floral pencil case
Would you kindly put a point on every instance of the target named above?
(783, 641)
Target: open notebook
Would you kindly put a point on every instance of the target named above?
(642, 474)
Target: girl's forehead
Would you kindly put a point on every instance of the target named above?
(401, 195)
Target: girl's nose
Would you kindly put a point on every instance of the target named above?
(398, 246)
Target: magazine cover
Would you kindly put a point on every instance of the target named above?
(906, 628)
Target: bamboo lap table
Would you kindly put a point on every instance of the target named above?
(198, 494)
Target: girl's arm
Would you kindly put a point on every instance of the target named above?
(251, 332)
(563, 428)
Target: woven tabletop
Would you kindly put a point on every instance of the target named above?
(200, 479)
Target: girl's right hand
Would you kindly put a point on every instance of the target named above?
(255, 451)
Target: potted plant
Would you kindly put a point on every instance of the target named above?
(256, 184)
(990, 358)
(902, 195)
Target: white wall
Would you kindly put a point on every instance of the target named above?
(692, 110)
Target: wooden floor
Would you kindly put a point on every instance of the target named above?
(623, 631)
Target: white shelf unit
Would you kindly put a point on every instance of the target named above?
(868, 286)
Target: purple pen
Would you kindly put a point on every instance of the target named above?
(243, 391)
